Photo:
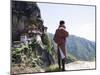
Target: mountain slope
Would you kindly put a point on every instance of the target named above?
(80, 48)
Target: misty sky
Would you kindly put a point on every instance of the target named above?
(80, 20)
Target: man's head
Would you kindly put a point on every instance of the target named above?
(62, 24)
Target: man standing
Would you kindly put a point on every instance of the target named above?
(60, 40)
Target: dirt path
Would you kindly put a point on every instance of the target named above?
(79, 65)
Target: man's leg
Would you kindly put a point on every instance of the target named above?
(63, 64)
(59, 59)
(63, 60)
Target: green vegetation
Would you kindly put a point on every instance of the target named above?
(46, 41)
(33, 44)
(52, 68)
(16, 55)
(70, 58)
(55, 67)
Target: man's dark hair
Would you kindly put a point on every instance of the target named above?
(62, 22)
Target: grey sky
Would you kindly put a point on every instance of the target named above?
(80, 20)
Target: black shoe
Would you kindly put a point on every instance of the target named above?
(63, 70)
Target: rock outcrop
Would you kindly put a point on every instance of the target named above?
(24, 15)
(37, 52)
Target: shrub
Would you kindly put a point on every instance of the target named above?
(70, 58)
(52, 68)
(46, 41)
(16, 55)
(33, 44)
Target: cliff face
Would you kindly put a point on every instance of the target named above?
(36, 54)
(25, 14)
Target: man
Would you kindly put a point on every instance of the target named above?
(60, 40)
